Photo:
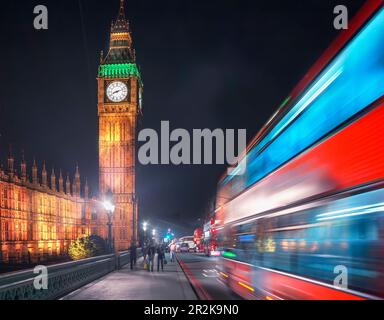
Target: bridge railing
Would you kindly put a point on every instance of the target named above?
(62, 278)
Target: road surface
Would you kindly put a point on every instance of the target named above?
(203, 273)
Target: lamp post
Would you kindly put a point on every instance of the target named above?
(110, 208)
(145, 224)
(134, 202)
(1, 243)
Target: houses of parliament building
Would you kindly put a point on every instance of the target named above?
(42, 212)
(39, 220)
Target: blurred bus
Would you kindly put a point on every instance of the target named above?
(306, 219)
(198, 239)
(210, 240)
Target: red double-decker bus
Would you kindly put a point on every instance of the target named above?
(198, 239)
(210, 238)
(306, 219)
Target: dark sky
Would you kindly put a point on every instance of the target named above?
(205, 64)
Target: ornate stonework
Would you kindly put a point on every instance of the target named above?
(41, 215)
(117, 129)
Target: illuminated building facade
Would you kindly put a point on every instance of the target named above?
(41, 214)
(119, 104)
(38, 220)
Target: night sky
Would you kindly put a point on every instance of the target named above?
(205, 64)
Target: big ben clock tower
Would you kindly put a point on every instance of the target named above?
(119, 104)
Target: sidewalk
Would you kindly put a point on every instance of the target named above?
(138, 284)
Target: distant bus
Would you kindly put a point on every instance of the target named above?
(210, 241)
(198, 239)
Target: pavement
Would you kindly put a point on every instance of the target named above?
(138, 284)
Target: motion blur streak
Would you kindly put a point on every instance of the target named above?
(311, 200)
(246, 286)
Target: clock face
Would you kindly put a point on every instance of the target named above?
(117, 91)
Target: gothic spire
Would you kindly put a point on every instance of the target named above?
(53, 180)
(34, 172)
(76, 182)
(77, 172)
(11, 161)
(68, 185)
(23, 168)
(61, 184)
(44, 176)
(120, 46)
(121, 24)
(121, 10)
(86, 189)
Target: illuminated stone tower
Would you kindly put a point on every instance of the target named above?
(119, 104)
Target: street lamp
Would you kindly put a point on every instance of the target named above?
(134, 203)
(110, 208)
(1, 245)
(145, 224)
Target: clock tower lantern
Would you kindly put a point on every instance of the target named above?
(119, 105)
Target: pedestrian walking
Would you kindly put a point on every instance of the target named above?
(145, 249)
(160, 257)
(145, 254)
(133, 254)
(151, 256)
(172, 251)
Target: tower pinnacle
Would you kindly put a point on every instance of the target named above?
(34, 172)
(23, 168)
(121, 24)
(118, 67)
(44, 176)
(120, 47)
(61, 185)
(122, 9)
(76, 182)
